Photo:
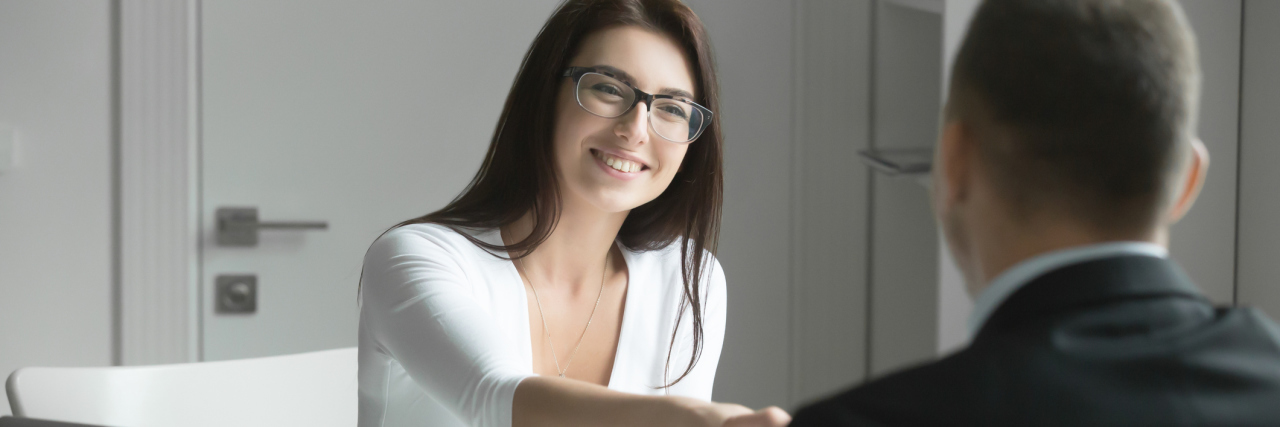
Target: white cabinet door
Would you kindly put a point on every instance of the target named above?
(358, 114)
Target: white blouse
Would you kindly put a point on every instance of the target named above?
(444, 329)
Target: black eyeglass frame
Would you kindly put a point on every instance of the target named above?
(577, 72)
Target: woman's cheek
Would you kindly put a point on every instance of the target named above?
(670, 165)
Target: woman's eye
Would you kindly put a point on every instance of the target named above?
(607, 89)
(675, 111)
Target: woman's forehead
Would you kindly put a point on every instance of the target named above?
(651, 61)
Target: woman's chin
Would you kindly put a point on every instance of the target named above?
(610, 205)
(612, 200)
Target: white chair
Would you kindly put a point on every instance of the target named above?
(309, 389)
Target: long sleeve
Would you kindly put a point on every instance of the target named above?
(421, 310)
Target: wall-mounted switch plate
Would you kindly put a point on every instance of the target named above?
(8, 147)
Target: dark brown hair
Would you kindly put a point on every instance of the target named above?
(1098, 98)
(509, 185)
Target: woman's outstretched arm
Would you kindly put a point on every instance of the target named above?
(418, 304)
(547, 401)
(419, 307)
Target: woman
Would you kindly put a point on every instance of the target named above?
(572, 282)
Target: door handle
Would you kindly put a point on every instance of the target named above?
(238, 226)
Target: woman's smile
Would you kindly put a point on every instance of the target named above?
(618, 166)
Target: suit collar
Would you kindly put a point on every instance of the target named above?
(1089, 283)
(1024, 272)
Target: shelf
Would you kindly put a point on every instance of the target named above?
(899, 161)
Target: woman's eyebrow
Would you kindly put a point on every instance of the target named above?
(621, 75)
(624, 76)
(676, 92)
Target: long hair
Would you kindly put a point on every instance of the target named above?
(518, 175)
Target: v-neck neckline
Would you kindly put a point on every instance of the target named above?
(495, 237)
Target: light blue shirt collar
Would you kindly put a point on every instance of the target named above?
(1019, 275)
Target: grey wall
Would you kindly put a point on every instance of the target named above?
(832, 56)
(904, 238)
(796, 83)
(752, 41)
(55, 205)
(1204, 242)
(1259, 248)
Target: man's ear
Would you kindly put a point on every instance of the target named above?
(952, 163)
(1192, 181)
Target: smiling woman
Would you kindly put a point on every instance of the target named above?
(573, 282)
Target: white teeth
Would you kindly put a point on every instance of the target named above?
(619, 164)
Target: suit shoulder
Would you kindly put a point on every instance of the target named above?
(937, 393)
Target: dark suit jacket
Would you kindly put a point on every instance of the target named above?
(1125, 341)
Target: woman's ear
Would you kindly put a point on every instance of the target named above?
(1193, 180)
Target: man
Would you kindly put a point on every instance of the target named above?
(1068, 149)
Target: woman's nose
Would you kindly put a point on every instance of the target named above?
(633, 126)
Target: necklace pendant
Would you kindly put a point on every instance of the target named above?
(562, 375)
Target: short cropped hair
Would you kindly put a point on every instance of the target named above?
(1096, 98)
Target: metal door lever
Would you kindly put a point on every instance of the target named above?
(239, 226)
(318, 225)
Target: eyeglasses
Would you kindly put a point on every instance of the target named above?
(603, 94)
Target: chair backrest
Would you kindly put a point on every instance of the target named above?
(309, 389)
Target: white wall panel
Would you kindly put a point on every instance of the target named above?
(158, 240)
(55, 203)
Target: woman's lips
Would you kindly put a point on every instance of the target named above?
(619, 164)
(617, 167)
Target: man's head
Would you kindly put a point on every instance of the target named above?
(1068, 122)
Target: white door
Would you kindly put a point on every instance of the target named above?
(354, 114)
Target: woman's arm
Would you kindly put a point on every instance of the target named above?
(417, 302)
(547, 401)
(418, 305)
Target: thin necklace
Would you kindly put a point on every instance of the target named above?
(599, 293)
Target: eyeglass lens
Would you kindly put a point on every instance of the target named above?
(608, 97)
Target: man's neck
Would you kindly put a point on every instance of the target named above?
(999, 247)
